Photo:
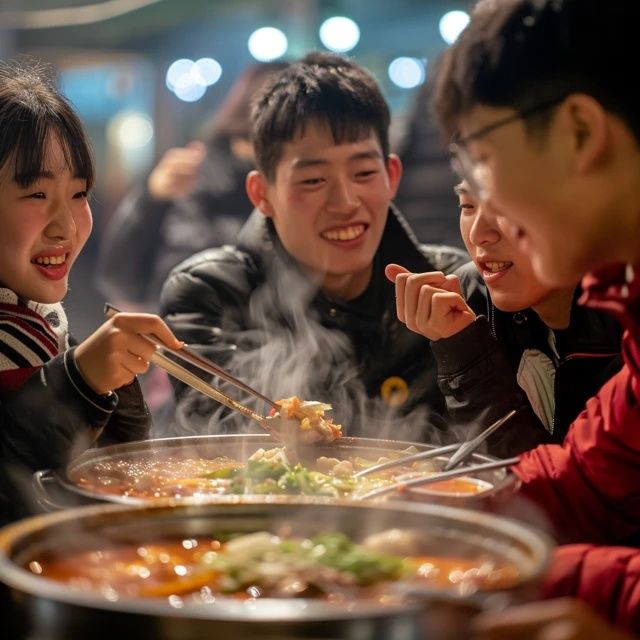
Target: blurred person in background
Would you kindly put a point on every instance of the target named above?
(424, 194)
(511, 341)
(300, 305)
(194, 198)
(538, 98)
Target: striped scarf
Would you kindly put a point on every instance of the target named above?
(31, 334)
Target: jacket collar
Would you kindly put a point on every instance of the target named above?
(258, 237)
(615, 289)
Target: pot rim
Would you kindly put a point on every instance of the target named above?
(263, 610)
(508, 482)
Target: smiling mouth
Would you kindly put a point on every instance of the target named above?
(495, 267)
(343, 234)
(50, 261)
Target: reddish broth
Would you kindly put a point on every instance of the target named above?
(173, 568)
(182, 477)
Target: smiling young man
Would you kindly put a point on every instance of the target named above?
(539, 99)
(301, 305)
(515, 342)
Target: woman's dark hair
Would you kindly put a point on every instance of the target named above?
(31, 111)
(519, 53)
(321, 87)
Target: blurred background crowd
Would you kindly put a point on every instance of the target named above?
(148, 76)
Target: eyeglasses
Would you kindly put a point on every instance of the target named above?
(474, 173)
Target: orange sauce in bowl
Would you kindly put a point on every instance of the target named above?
(455, 487)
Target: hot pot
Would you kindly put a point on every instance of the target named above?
(40, 608)
(83, 472)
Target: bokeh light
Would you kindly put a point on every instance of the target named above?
(209, 70)
(178, 73)
(339, 34)
(407, 73)
(130, 130)
(267, 43)
(191, 92)
(189, 80)
(452, 24)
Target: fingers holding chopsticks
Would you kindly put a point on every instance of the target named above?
(112, 356)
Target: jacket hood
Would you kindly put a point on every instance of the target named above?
(589, 332)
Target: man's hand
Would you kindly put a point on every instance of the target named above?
(176, 174)
(430, 304)
(112, 356)
(561, 619)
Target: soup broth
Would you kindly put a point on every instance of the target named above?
(328, 566)
(265, 472)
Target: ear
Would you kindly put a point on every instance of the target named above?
(589, 128)
(394, 171)
(257, 190)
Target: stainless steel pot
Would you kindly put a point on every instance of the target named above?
(46, 610)
(241, 447)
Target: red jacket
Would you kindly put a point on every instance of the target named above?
(590, 485)
(606, 578)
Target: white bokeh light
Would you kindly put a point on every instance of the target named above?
(130, 130)
(339, 34)
(452, 24)
(178, 73)
(209, 70)
(407, 73)
(189, 80)
(267, 43)
(190, 92)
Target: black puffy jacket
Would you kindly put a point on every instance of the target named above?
(477, 368)
(54, 416)
(146, 238)
(251, 309)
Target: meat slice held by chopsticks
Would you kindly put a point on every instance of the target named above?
(306, 422)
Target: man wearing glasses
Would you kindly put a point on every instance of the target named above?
(539, 99)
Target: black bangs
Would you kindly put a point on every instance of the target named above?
(32, 114)
(345, 128)
(31, 146)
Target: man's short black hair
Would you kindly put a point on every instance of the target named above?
(322, 88)
(520, 53)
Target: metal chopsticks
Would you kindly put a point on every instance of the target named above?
(461, 451)
(437, 477)
(179, 372)
(415, 457)
(189, 378)
(467, 448)
(187, 354)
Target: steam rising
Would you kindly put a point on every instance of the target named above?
(288, 352)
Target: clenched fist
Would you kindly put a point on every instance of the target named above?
(430, 304)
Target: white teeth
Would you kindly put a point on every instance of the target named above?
(347, 233)
(496, 267)
(50, 260)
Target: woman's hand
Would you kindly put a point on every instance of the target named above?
(430, 304)
(112, 356)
